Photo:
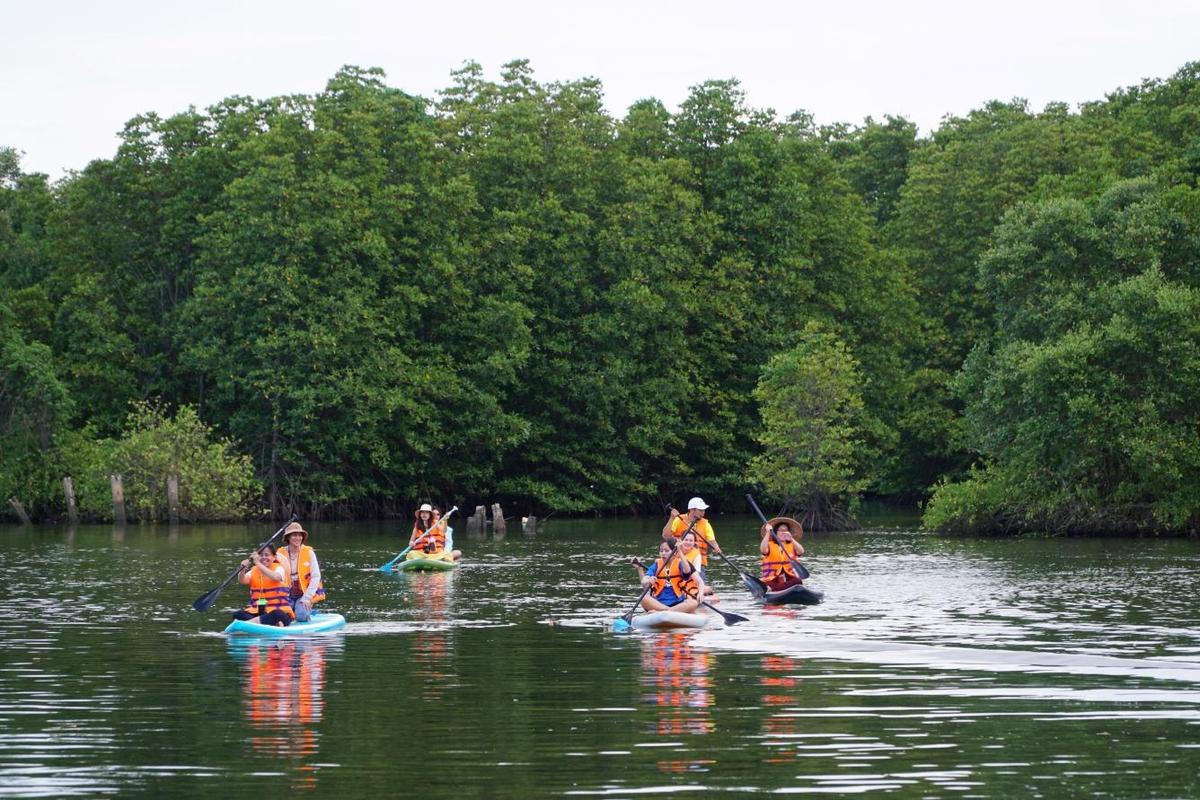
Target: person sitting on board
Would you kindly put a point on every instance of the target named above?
(304, 573)
(428, 539)
(677, 524)
(778, 573)
(266, 578)
(674, 577)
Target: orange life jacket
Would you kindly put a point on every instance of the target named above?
(263, 587)
(775, 562)
(304, 569)
(704, 535)
(435, 542)
(672, 574)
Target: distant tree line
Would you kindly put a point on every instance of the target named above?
(346, 301)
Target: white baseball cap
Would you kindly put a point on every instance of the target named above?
(696, 502)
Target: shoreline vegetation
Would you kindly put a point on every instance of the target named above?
(346, 302)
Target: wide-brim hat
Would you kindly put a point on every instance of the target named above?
(797, 530)
(295, 527)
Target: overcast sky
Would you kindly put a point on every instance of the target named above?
(74, 72)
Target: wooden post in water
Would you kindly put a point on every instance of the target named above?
(476, 521)
(20, 509)
(499, 528)
(529, 524)
(173, 499)
(72, 509)
(118, 493)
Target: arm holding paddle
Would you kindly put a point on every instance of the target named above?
(205, 601)
(801, 570)
(768, 537)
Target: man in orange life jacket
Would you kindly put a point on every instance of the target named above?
(777, 556)
(706, 538)
(266, 578)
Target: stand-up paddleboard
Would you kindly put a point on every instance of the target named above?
(319, 622)
(661, 621)
(424, 565)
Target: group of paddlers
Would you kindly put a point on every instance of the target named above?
(678, 578)
(286, 583)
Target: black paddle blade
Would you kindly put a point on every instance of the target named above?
(733, 619)
(755, 588)
(205, 601)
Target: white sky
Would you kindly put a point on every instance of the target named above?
(72, 73)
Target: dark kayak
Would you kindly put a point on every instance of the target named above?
(798, 595)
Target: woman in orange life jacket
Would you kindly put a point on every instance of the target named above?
(677, 523)
(777, 570)
(432, 528)
(674, 577)
(266, 578)
(303, 572)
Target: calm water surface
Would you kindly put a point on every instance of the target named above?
(936, 668)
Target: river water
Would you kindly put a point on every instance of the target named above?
(935, 668)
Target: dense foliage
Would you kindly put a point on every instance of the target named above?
(507, 293)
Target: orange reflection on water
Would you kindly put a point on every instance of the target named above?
(283, 682)
(431, 594)
(677, 681)
(778, 676)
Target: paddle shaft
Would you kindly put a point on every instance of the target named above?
(801, 570)
(404, 552)
(205, 601)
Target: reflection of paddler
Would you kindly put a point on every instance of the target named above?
(677, 676)
(779, 679)
(283, 686)
(432, 655)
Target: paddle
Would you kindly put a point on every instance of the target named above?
(754, 585)
(205, 601)
(622, 623)
(388, 566)
(729, 617)
(801, 570)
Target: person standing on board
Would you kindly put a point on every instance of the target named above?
(428, 539)
(267, 580)
(677, 524)
(304, 573)
(777, 556)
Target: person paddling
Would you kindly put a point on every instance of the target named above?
(778, 554)
(267, 580)
(306, 588)
(674, 577)
(428, 539)
(677, 524)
